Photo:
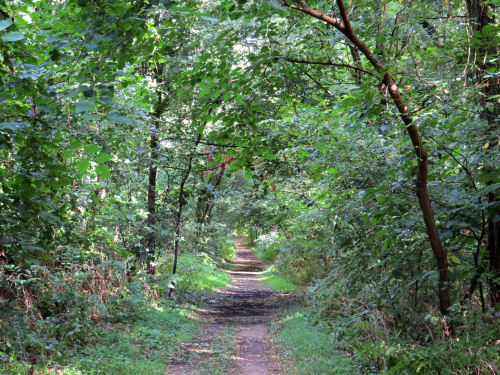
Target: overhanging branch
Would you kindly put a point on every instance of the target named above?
(329, 63)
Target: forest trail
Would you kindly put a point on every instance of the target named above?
(245, 308)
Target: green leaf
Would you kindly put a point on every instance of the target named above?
(75, 143)
(211, 19)
(227, 95)
(268, 156)
(83, 106)
(333, 171)
(5, 23)
(455, 259)
(205, 91)
(119, 119)
(103, 171)
(13, 36)
(92, 149)
(103, 157)
(82, 166)
(44, 215)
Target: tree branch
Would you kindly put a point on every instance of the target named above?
(305, 8)
(344, 16)
(318, 83)
(328, 63)
(204, 143)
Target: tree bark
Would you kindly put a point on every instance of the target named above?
(151, 220)
(440, 254)
(153, 172)
(481, 14)
(178, 217)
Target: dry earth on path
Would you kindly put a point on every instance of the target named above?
(235, 336)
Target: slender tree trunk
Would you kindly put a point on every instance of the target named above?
(344, 26)
(153, 172)
(206, 215)
(481, 14)
(151, 220)
(178, 217)
(479, 267)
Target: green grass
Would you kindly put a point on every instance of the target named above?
(141, 347)
(351, 344)
(274, 280)
(197, 272)
(312, 349)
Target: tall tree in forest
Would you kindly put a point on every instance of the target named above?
(389, 86)
(153, 172)
(181, 202)
(484, 53)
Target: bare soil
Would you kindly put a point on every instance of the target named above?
(235, 336)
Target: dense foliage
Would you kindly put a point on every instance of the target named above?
(359, 141)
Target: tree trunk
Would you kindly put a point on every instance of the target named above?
(153, 172)
(151, 220)
(481, 14)
(178, 217)
(344, 26)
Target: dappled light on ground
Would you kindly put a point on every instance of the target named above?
(246, 307)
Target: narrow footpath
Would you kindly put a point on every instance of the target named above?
(235, 337)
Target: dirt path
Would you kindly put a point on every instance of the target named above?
(234, 338)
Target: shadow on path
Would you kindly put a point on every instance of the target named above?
(244, 308)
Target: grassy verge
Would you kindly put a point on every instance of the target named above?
(271, 277)
(351, 344)
(136, 335)
(312, 349)
(274, 280)
(139, 346)
(197, 272)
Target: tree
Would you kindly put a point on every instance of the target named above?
(484, 51)
(389, 86)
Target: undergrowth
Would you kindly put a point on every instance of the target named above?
(124, 328)
(353, 343)
(140, 344)
(143, 346)
(267, 246)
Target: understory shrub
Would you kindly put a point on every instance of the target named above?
(355, 342)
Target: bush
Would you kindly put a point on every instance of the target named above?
(267, 246)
